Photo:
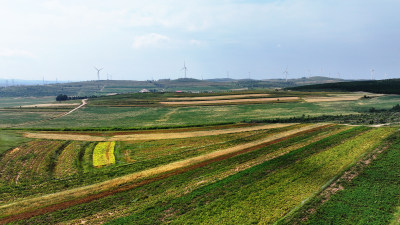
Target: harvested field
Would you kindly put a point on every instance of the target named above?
(233, 101)
(64, 137)
(332, 99)
(217, 97)
(341, 97)
(29, 204)
(150, 136)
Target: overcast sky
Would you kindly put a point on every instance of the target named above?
(151, 39)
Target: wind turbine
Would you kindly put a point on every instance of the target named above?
(98, 72)
(184, 68)
(286, 73)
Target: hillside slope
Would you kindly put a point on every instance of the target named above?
(391, 86)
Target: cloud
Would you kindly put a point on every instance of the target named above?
(150, 40)
(13, 53)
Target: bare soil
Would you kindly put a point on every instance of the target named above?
(231, 101)
(217, 97)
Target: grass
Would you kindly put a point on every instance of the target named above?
(128, 117)
(370, 198)
(20, 101)
(160, 191)
(167, 151)
(68, 162)
(10, 140)
(29, 161)
(114, 183)
(241, 198)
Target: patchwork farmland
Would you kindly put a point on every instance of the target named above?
(200, 162)
(232, 175)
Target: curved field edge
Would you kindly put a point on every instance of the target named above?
(156, 154)
(207, 172)
(154, 136)
(26, 205)
(367, 193)
(261, 194)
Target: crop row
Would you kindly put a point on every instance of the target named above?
(76, 163)
(265, 192)
(29, 161)
(182, 183)
(372, 197)
(143, 200)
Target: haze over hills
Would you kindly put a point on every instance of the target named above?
(104, 87)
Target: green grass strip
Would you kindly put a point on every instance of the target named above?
(215, 198)
(155, 192)
(371, 198)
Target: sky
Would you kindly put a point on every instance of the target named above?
(145, 40)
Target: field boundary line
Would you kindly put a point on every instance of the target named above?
(155, 136)
(24, 206)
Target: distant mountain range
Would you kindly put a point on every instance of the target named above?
(13, 82)
(103, 87)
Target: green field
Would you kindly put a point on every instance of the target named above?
(100, 116)
(261, 183)
(129, 159)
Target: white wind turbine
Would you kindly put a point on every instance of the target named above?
(286, 72)
(184, 68)
(98, 72)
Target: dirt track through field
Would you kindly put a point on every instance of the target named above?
(84, 102)
(64, 199)
(150, 136)
(231, 101)
(218, 97)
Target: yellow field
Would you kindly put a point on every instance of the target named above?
(103, 154)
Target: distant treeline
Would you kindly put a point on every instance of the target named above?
(391, 86)
(62, 97)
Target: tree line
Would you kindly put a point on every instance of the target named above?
(62, 97)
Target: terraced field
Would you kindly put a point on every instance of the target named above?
(214, 175)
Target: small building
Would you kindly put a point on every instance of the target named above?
(144, 91)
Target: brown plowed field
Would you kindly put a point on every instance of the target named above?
(232, 101)
(217, 97)
(60, 200)
(150, 136)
